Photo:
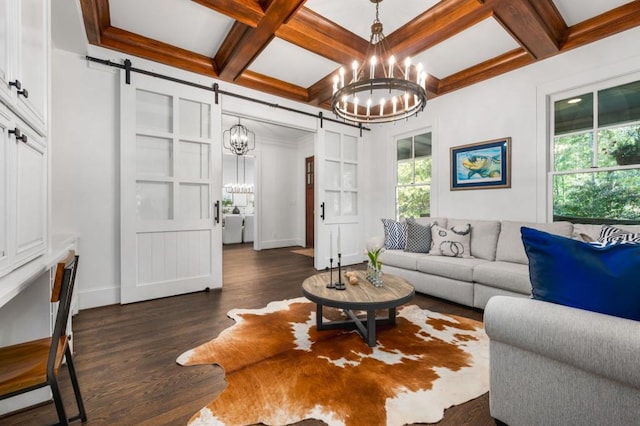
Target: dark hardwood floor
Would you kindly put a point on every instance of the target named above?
(125, 355)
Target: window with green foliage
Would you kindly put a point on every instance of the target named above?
(596, 155)
(413, 190)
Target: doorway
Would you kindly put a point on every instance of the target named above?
(309, 201)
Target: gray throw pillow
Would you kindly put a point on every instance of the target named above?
(418, 237)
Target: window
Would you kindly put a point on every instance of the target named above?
(596, 154)
(413, 191)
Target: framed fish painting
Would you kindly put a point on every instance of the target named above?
(482, 165)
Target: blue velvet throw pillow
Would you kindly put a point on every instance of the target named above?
(602, 278)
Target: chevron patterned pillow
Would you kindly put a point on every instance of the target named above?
(395, 234)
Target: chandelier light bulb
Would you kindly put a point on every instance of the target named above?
(418, 72)
(341, 77)
(368, 107)
(392, 62)
(336, 79)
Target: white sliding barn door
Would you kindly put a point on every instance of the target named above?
(171, 240)
(338, 197)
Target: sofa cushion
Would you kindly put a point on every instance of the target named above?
(400, 259)
(449, 267)
(484, 236)
(510, 247)
(452, 242)
(428, 221)
(395, 234)
(418, 237)
(596, 277)
(505, 275)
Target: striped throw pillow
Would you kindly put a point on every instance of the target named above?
(609, 234)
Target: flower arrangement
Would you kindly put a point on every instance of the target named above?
(375, 246)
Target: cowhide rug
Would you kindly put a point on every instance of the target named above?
(281, 370)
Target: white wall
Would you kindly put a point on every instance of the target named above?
(85, 171)
(505, 106)
(85, 154)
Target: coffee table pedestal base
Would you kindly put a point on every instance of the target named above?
(367, 328)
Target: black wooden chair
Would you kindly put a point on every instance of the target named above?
(35, 364)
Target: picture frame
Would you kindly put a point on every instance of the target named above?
(481, 165)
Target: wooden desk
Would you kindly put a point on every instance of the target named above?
(363, 296)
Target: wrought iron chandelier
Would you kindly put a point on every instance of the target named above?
(238, 139)
(380, 89)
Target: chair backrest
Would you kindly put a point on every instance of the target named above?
(247, 232)
(232, 231)
(62, 293)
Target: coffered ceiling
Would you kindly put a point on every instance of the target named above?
(292, 48)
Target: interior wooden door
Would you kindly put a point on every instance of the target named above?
(309, 167)
(171, 172)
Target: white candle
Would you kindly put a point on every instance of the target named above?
(381, 107)
(407, 64)
(335, 83)
(355, 106)
(372, 71)
(392, 61)
(354, 66)
(330, 244)
(419, 73)
(341, 77)
(339, 240)
(368, 106)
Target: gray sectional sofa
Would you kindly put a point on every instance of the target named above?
(499, 265)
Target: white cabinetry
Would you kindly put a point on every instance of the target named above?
(24, 97)
(24, 59)
(23, 219)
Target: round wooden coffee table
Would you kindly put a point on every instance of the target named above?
(363, 296)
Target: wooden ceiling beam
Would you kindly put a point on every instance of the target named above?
(318, 35)
(254, 40)
(493, 67)
(540, 30)
(147, 48)
(609, 23)
(249, 12)
(96, 17)
(437, 24)
(273, 86)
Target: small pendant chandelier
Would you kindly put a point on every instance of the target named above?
(238, 139)
(380, 90)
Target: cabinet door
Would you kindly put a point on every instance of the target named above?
(4, 190)
(31, 197)
(32, 63)
(6, 46)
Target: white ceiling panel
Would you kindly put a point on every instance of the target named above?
(476, 44)
(575, 11)
(358, 15)
(288, 62)
(180, 23)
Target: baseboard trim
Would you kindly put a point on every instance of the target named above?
(99, 297)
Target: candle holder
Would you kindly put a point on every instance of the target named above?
(331, 285)
(339, 285)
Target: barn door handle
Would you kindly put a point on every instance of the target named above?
(217, 206)
(322, 209)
